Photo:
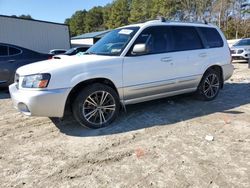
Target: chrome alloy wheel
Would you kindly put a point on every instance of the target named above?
(99, 107)
(211, 85)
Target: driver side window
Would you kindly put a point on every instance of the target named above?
(155, 39)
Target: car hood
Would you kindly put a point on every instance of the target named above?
(48, 66)
(240, 47)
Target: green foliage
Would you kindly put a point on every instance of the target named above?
(227, 14)
(140, 10)
(119, 14)
(28, 17)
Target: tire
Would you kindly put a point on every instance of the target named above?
(96, 106)
(210, 85)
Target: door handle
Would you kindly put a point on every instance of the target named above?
(11, 61)
(203, 55)
(166, 59)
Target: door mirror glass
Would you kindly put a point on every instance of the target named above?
(139, 49)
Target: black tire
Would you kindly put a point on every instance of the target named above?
(210, 85)
(88, 110)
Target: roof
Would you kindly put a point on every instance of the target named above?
(98, 34)
(32, 20)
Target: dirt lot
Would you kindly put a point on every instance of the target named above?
(155, 144)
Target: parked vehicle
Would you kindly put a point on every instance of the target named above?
(241, 50)
(73, 51)
(129, 65)
(57, 51)
(13, 57)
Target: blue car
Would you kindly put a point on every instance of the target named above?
(13, 57)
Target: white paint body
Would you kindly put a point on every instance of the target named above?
(136, 79)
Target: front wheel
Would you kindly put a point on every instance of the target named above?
(210, 85)
(96, 106)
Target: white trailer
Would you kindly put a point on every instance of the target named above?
(40, 36)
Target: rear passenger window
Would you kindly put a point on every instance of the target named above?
(212, 37)
(14, 51)
(185, 38)
(3, 50)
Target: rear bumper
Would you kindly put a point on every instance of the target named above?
(228, 70)
(46, 103)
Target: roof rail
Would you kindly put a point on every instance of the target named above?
(163, 19)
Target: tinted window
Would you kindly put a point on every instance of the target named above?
(3, 50)
(14, 51)
(156, 39)
(185, 38)
(212, 37)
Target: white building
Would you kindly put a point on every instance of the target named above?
(40, 36)
(87, 38)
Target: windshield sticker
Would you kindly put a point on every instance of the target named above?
(125, 31)
(115, 51)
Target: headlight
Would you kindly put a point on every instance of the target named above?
(248, 50)
(36, 81)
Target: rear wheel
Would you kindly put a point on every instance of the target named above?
(96, 106)
(210, 85)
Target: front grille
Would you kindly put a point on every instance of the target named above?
(239, 58)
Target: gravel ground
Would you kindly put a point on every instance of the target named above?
(155, 144)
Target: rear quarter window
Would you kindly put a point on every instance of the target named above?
(14, 51)
(211, 37)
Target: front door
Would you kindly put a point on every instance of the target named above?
(153, 72)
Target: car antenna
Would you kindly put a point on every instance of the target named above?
(161, 18)
(205, 21)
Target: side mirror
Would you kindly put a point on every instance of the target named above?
(139, 49)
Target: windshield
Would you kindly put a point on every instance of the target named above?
(114, 42)
(244, 42)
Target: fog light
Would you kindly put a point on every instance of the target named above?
(23, 107)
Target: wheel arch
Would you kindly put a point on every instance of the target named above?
(78, 87)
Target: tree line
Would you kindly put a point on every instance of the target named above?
(232, 16)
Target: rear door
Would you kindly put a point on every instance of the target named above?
(189, 54)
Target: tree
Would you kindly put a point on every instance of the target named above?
(166, 8)
(140, 10)
(28, 17)
(76, 22)
(119, 14)
(94, 20)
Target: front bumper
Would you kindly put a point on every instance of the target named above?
(44, 103)
(241, 57)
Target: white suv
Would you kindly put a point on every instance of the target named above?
(241, 50)
(130, 64)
